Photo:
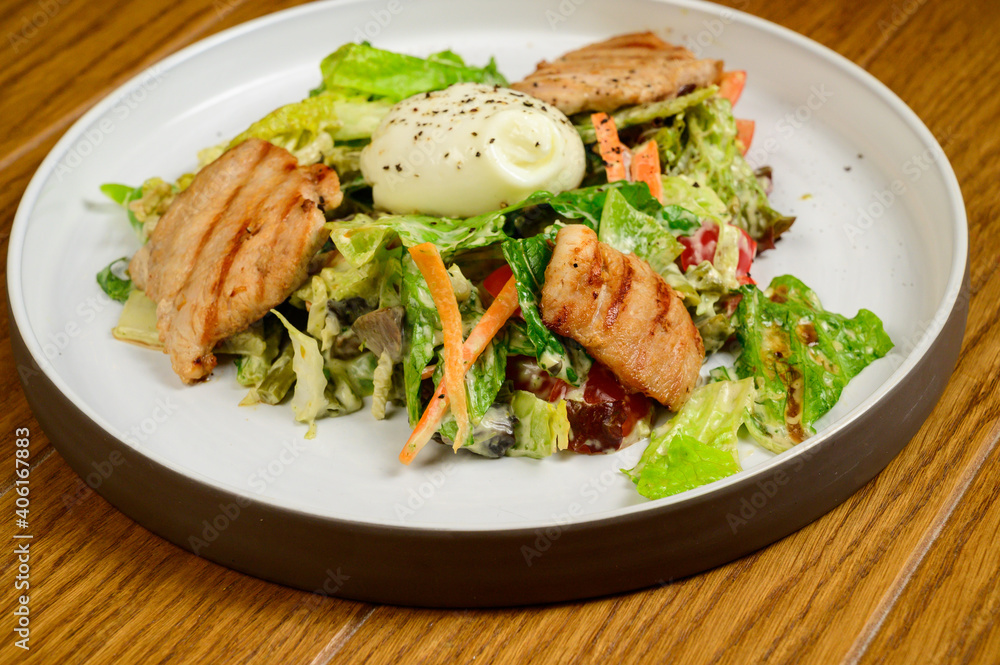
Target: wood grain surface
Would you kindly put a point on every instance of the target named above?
(905, 571)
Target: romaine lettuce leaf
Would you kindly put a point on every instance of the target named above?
(309, 399)
(541, 428)
(643, 113)
(801, 357)
(256, 346)
(422, 326)
(308, 129)
(137, 322)
(357, 236)
(587, 205)
(698, 445)
(631, 231)
(700, 145)
(527, 258)
(395, 76)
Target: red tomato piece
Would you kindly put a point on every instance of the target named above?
(744, 133)
(731, 85)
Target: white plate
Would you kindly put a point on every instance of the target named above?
(880, 225)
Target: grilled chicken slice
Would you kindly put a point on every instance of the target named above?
(232, 246)
(624, 314)
(623, 71)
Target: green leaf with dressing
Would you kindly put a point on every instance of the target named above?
(801, 357)
(422, 325)
(527, 259)
(586, 204)
(309, 128)
(631, 231)
(700, 145)
(698, 445)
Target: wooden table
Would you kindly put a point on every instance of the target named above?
(905, 571)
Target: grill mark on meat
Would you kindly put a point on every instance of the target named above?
(629, 319)
(621, 293)
(629, 69)
(248, 223)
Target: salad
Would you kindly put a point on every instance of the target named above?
(520, 269)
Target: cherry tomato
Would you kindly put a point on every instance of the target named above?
(700, 246)
(495, 282)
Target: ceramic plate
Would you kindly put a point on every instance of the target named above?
(881, 225)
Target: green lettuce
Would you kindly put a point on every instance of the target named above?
(698, 445)
(586, 204)
(541, 428)
(257, 347)
(630, 231)
(115, 281)
(309, 399)
(309, 129)
(801, 356)
(527, 258)
(395, 76)
(700, 145)
(422, 327)
(359, 234)
(644, 113)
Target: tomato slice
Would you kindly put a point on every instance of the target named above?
(731, 85)
(744, 133)
(700, 246)
(495, 282)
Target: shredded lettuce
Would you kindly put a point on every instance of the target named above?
(801, 356)
(309, 399)
(700, 145)
(541, 427)
(698, 445)
(373, 71)
(257, 347)
(422, 327)
(357, 235)
(586, 204)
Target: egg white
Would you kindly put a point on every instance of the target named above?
(469, 149)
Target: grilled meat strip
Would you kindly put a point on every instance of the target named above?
(630, 69)
(232, 246)
(624, 314)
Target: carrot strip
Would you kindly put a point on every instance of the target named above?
(731, 85)
(614, 153)
(493, 320)
(744, 133)
(646, 168)
(431, 266)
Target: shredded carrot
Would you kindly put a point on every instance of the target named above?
(428, 372)
(614, 153)
(744, 133)
(493, 320)
(432, 267)
(646, 168)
